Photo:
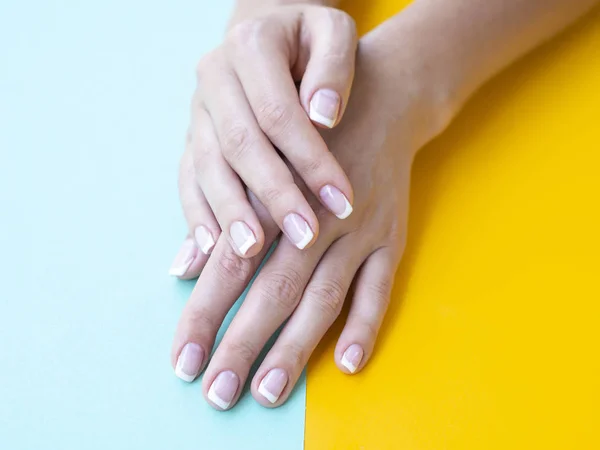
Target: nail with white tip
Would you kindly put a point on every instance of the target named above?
(189, 362)
(352, 357)
(204, 239)
(337, 202)
(223, 389)
(324, 107)
(297, 230)
(184, 258)
(242, 237)
(273, 384)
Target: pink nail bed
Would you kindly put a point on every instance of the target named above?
(352, 357)
(189, 362)
(337, 202)
(223, 389)
(273, 384)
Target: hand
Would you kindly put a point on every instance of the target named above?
(308, 288)
(246, 106)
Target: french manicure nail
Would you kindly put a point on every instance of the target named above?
(242, 236)
(352, 357)
(324, 107)
(189, 362)
(297, 230)
(272, 384)
(204, 239)
(223, 389)
(335, 201)
(184, 258)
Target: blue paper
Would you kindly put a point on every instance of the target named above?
(94, 104)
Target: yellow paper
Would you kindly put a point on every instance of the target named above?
(492, 339)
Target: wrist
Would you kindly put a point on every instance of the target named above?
(410, 95)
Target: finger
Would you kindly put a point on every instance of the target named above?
(262, 61)
(272, 298)
(220, 284)
(320, 305)
(223, 189)
(369, 304)
(202, 226)
(254, 159)
(327, 64)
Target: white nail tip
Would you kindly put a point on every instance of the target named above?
(347, 211)
(181, 270)
(348, 365)
(308, 236)
(316, 117)
(246, 245)
(184, 376)
(266, 394)
(204, 240)
(213, 397)
(207, 247)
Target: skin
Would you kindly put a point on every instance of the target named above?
(410, 80)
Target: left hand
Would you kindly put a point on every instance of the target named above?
(309, 287)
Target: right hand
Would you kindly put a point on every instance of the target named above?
(246, 106)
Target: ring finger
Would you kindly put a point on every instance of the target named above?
(320, 305)
(250, 153)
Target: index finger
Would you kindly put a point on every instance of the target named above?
(263, 65)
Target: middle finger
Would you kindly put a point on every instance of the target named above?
(272, 298)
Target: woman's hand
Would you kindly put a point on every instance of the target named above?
(246, 106)
(375, 145)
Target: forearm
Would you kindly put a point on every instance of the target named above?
(245, 9)
(447, 49)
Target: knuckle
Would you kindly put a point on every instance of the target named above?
(342, 22)
(312, 166)
(207, 61)
(270, 195)
(230, 266)
(236, 142)
(379, 292)
(244, 350)
(246, 32)
(295, 355)
(274, 119)
(200, 318)
(282, 289)
(328, 297)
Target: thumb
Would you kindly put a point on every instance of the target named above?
(328, 63)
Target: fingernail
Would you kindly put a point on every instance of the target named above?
(297, 230)
(324, 107)
(184, 258)
(272, 384)
(223, 389)
(242, 236)
(336, 201)
(204, 239)
(189, 362)
(352, 357)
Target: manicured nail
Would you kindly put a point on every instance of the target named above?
(272, 384)
(324, 107)
(242, 236)
(204, 239)
(223, 389)
(336, 201)
(184, 258)
(297, 230)
(352, 357)
(189, 362)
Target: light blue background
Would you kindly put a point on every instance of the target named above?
(94, 100)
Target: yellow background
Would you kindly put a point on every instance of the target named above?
(492, 337)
